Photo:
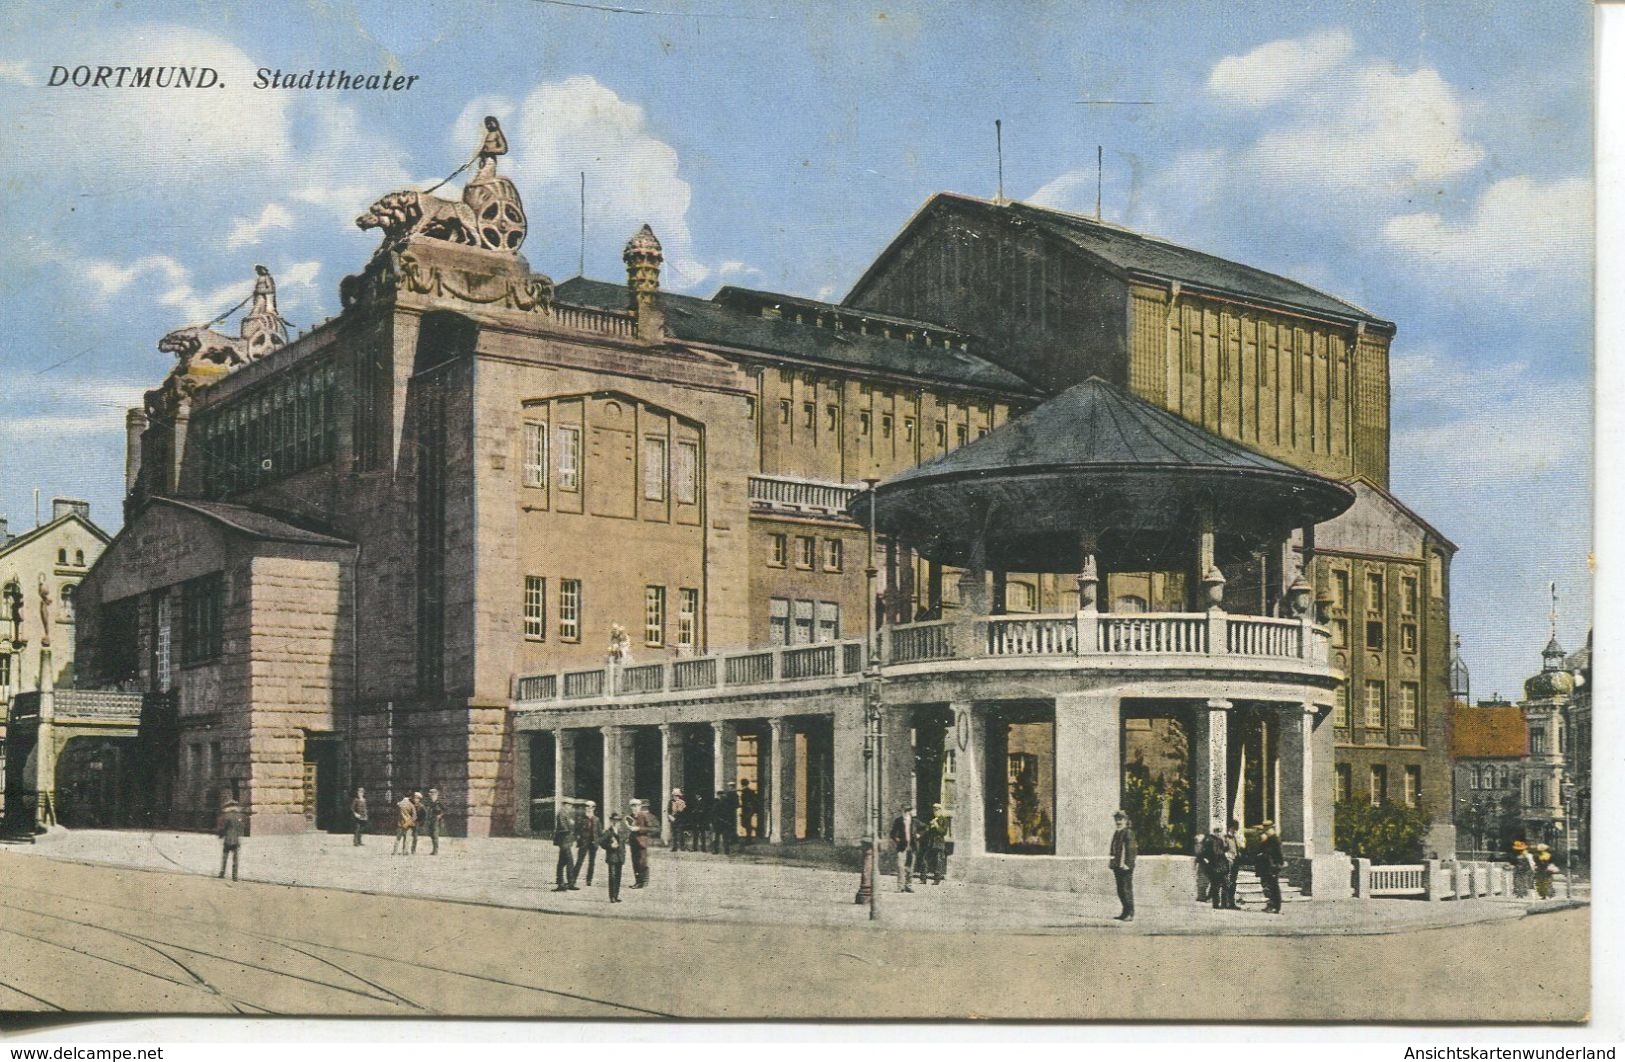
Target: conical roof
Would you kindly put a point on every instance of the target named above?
(1098, 459)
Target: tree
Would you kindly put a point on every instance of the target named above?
(1382, 833)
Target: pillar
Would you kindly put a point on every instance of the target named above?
(1212, 797)
(774, 802)
(933, 589)
(897, 728)
(1000, 581)
(1087, 788)
(614, 796)
(850, 767)
(725, 759)
(970, 800)
(1295, 810)
(668, 782)
(564, 766)
(890, 593)
(45, 739)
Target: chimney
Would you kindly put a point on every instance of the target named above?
(5, 535)
(643, 258)
(135, 424)
(61, 507)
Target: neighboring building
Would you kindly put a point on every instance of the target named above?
(56, 555)
(1488, 744)
(1547, 698)
(405, 538)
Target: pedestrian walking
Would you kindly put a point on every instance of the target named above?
(1234, 849)
(699, 821)
(230, 827)
(358, 812)
(405, 822)
(643, 824)
(920, 856)
(564, 831)
(1215, 865)
(1268, 863)
(902, 839)
(1122, 864)
(1545, 871)
(587, 830)
(676, 817)
(614, 843)
(936, 842)
(1204, 881)
(434, 815)
(418, 815)
(1523, 869)
(724, 822)
(750, 809)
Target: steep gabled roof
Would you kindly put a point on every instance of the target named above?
(733, 319)
(1137, 255)
(44, 529)
(1487, 733)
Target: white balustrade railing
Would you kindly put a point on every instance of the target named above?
(1176, 633)
(1033, 636)
(801, 495)
(914, 642)
(591, 319)
(1262, 636)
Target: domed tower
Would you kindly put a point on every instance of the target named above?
(643, 257)
(1461, 689)
(1546, 697)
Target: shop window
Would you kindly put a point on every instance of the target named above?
(1020, 813)
(1158, 790)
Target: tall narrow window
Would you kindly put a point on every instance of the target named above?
(1413, 786)
(802, 613)
(885, 425)
(908, 429)
(833, 554)
(535, 607)
(960, 433)
(829, 621)
(778, 550)
(654, 469)
(1376, 694)
(1340, 588)
(778, 621)
(570, 459)
(942, 433)
(784, 411)
(1379, 784)
(1340, 707)
(806, 551)
(1408, 716)
(863, 422)
(1407, 595)
(1537, 792)
(1345, 782)
(687, 473)
(654, 616)
(1373, 592)
(688, 618)
(808, 414)
(202, 608)
(832, 415)
(570, 610)
(535, 443)
(161, 643)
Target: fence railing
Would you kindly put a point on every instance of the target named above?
(1433, 880)
(1073, 635)
(801, 495)
(591, 319)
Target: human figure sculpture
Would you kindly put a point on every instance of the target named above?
(44, 613)
(493, 145)
(264, 299)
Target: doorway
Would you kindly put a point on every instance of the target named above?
(1020, 795)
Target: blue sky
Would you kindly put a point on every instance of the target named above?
(1430, 161)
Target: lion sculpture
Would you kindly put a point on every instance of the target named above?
(413, 213)
(200, 344)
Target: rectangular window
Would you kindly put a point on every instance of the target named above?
(1340, 707)
(687, 473)
(942, 433)
(1537, 792)
(832, 554)
(1020, 597)
(784, 411)
(778, 621)
(535, 607)
(688, 618)
(802, 613)
(1408, 715)
(1537, 742)
(1340, 633)
(654, 470)
(1379, 784)
(203, 602)
(778, 550)
(1407, 637)
(1340, 589)
(1345, 783)
(829, 621)
(809, 413)
(1407, 595)
(885, 425)
(908, 429)
(1376, 696)
(1474, 778)
(654, 616)
(863, 423)
(1373, 635)
(570, 459)
(1373, 592)
(535, 455)
(831, 415)
(163, 636)
(1413, 786)
(960, 434)
(570, 610)
(806, 551)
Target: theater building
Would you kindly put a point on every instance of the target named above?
(528, 543)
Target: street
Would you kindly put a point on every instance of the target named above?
(77, 937)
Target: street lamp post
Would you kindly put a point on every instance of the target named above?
(873, 736)
(1568, 840)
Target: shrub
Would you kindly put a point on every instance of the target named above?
(1382, 833)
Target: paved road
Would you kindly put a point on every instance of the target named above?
(107, 939)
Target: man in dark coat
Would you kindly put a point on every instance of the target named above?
(1233, 853)
(643, 825)
(358, 812)
(1122, 863)
(586, 843)
(750, 809)
(902, 839)
(1215, 865)
(564, 835)
(1268, 863)
(725, 821)
(230, 829)
(614, 842)
(936, 844)
(434, 813)
(699, 820)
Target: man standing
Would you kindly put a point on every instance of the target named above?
(358, 812)
(936, 840)
(676, 817)
(643, 824)
(1122, 863)
(614, 843)
(1268, 863)
(750, 809)
(725, 822)
(563, 837)
(1233, 851)
(230, 828)
(586, 843)
(1215, 865)
(405, 823)
(434, 813)
(902, 839)
(1203, 879)
(418, 815)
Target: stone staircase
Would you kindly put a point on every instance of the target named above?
(1250, 891)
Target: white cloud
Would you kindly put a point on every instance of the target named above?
(563, 128)
(345, 165)
(1070, 191)
(1279, 68)
(1523, 235)
(18, 72)
(65, 425)
(247, 231)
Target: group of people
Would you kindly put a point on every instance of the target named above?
(1532, 868)
(578, 835)
(1223, 851)
(921, 846)
(414, 815)
(713, 823)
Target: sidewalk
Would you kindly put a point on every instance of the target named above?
(692, 886)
